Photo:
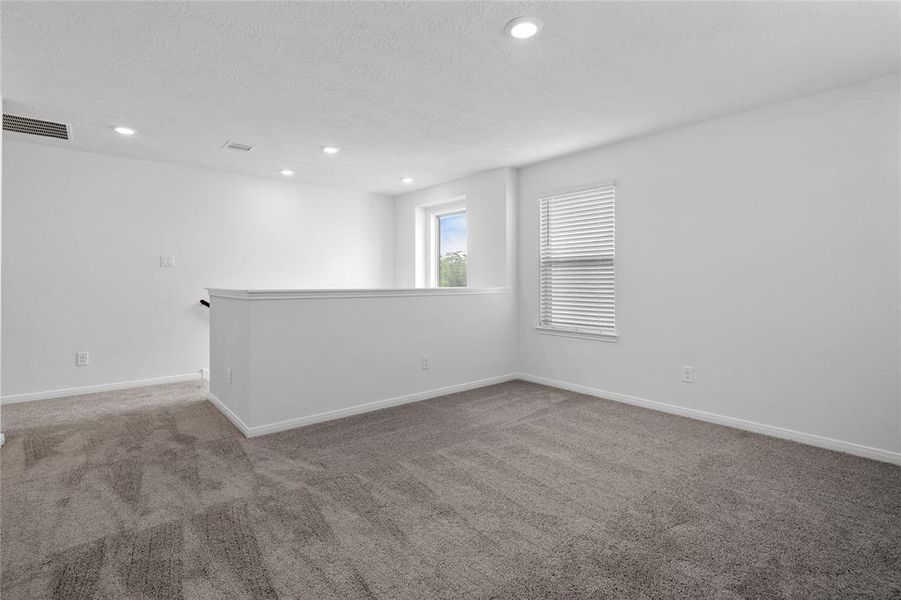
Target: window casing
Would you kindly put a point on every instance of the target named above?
(577, 256)
(450, 258)
(441, 241)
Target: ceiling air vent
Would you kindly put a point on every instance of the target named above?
(237, 146)
(31, 126)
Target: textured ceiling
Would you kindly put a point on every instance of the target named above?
(429, 89)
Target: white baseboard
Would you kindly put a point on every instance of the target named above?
(236, 421)
(736, 423)
(353, 410)
(94, 389)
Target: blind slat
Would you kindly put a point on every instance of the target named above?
(577, 259)
(578, 211)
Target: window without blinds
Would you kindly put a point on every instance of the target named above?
(577, 257)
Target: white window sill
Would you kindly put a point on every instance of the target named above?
(352, 293)
(601, 337)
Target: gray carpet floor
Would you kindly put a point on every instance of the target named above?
(510, 491)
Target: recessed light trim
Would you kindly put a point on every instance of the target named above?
(523, 28)
(331, 149)
(287, 172)
(406, 180)
(238, 146)
(121, 130)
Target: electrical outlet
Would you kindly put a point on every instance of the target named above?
(228, 378)
(82, 359)
(688, 374)
(167, 260)
(426, 362)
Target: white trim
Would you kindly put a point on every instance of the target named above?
(734, 422)
(365, 293)
(603, 337)
(236, 421)
(573, 189)
(94, 389)
(259, 430)
(205, 374)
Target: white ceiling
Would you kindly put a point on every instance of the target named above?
(431, 89)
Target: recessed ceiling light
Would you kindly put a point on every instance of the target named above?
(522, 28)
(406, 180)
(124, 130)
(331, 149)
(287, 172)
(237, 146)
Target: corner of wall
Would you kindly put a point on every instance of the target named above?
(512, 188)
(1, 251)
(898, 205)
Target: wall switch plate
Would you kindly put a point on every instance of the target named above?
(426, 362)
(167, 260)
(688, 374)
(82, 359)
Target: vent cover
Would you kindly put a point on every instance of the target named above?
(31, 126)
(237, 146)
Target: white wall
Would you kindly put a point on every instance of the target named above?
(762, 249)
(300, 357)
(2, 435)
(82, 236)
(489, 262)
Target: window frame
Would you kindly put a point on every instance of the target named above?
(432, 214)
(567, 331)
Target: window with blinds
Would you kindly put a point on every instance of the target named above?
(577, 262)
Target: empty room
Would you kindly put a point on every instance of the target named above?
(450, 300)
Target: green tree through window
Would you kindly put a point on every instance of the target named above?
(452, 269)
(452, 250)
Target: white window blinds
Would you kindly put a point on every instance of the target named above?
(577, 262)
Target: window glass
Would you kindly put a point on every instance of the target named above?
(451, 247)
